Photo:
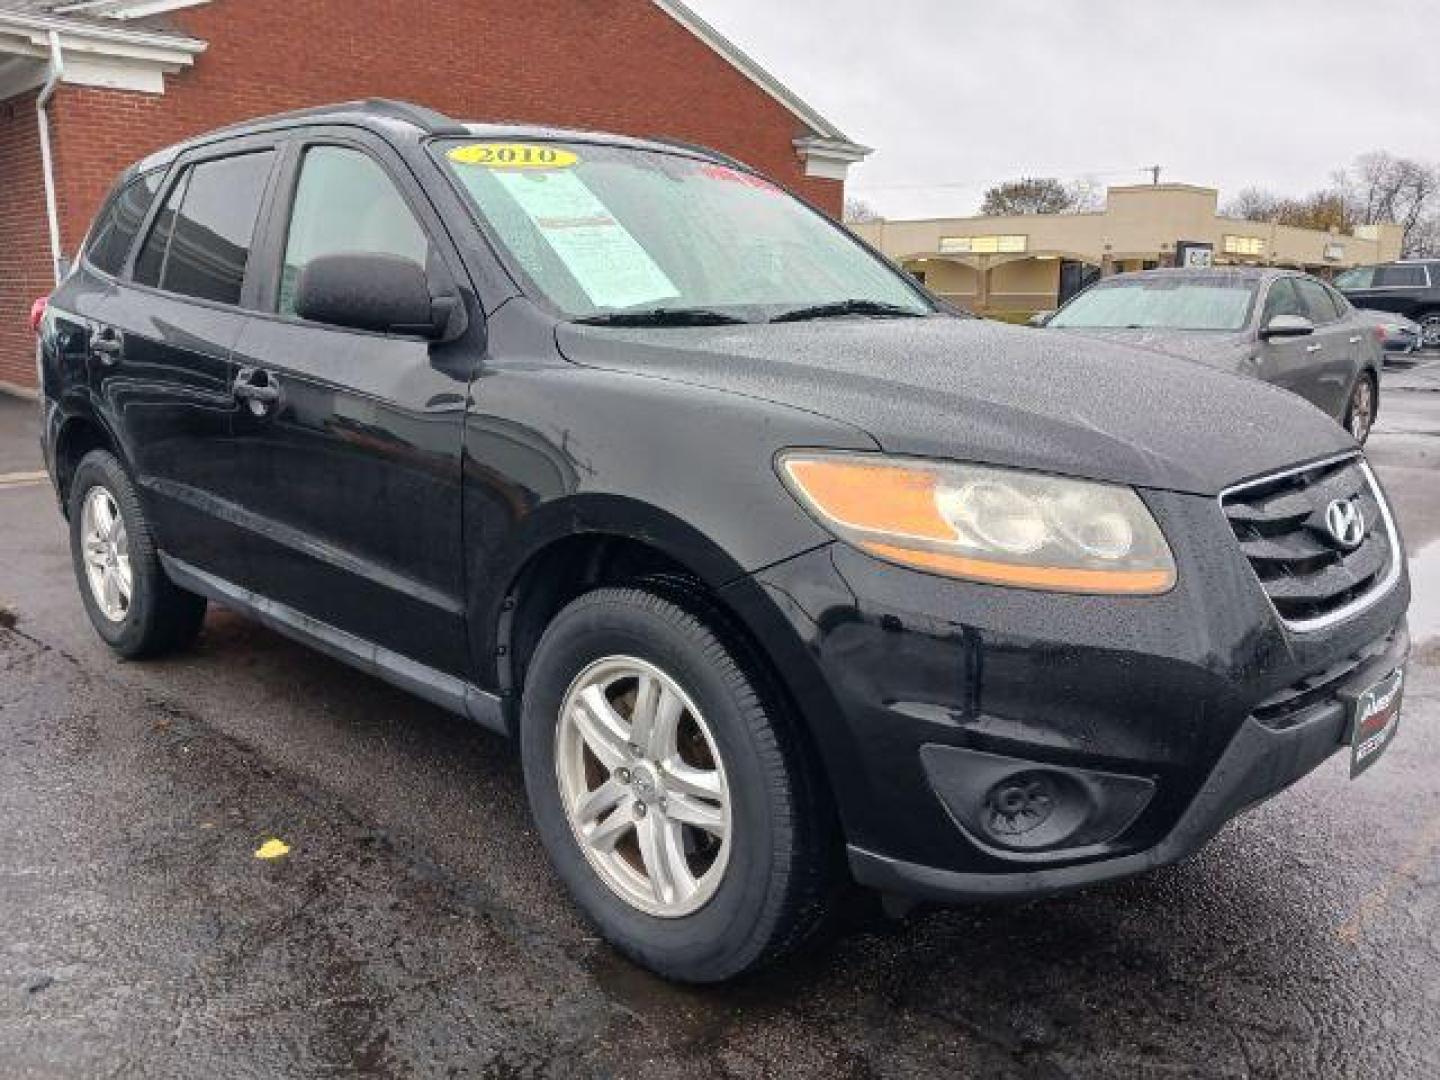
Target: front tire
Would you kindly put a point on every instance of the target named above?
(134, 607)
(669, 787)
(1361, 411)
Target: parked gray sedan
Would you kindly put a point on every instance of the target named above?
(1398, 335)
(1281, 326)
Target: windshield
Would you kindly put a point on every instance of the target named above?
(1171, 303)
(1359, 278)
(603, 229)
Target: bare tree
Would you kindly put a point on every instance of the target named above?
(1253, 204)
(1027, 195)
(1086, 195)
(858, 210)
(1380, 187)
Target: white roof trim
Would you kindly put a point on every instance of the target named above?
(829, 159)
(95, 38)
(97, 55)
(737, 58)
(126, 9)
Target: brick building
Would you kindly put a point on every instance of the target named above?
(135, 75)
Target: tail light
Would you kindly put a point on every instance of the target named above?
(37, 312)
(1379, 332)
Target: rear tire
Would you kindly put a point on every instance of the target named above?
(134, 607)
(769, 831)
(1363, 407)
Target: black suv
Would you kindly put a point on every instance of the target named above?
(1410, 288)
(774, 569)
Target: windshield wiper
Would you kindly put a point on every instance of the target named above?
(662, 316)
(840, 308)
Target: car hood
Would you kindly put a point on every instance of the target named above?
(970, 390)
(1217, 348)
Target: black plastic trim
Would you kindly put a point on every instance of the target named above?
(434, 686)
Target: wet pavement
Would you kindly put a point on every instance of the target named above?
(414, 928)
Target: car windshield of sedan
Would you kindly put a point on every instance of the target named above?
(615, 234)
(1168, 303)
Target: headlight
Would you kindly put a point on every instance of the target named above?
(1001, 526)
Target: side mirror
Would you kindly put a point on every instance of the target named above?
(1040, 318)
(1287, 326)
(383, 293)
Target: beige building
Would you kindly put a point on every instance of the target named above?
(1037, 261)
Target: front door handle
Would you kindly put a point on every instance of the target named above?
(258, 389)
(106, 346)
(1314, 348)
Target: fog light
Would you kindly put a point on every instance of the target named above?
(1020, 804)
(1034, 809)
(1023, 806)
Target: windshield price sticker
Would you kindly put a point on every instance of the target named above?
(605, 260)
(513, 156)
(735, 176)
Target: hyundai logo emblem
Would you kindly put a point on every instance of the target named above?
(1346, 523)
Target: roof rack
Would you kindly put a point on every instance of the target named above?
(427, 120)
(431, 121)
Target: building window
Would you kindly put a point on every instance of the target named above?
(983, 245)
(1244, 245)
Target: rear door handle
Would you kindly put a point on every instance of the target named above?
(1314, 348)
(1356, 340)
(258, 389)
(106, 346)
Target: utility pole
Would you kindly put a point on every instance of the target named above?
(1154, 171)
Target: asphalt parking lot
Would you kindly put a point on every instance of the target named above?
(415, 928)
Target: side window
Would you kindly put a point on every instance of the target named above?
(344, 202)
(115, 230)
(1282, 300)
(1400, 276)
(200, 243)
(1362, 277)
(1319, 308)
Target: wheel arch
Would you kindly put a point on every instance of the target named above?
(598, 541)
(76, 434)
(570, 544)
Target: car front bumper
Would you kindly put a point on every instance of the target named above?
(1147, 720)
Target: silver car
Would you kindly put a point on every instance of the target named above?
(1281, 326)
(1398, 335)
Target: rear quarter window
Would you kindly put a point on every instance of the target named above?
(119, 223)
(1401, 277)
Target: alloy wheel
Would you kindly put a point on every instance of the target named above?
(643, 786)
(1430, 332)
(1362, 410)
(106, 547)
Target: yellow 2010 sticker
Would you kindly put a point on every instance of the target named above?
(513, 156)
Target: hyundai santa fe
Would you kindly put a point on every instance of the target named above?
(781, 576)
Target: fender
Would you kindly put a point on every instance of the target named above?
(495, 574)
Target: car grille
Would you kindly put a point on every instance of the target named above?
(1294, 704)
(1310, 577)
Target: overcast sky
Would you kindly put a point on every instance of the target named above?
(1225, 93)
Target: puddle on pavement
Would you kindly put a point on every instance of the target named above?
(1425, 593)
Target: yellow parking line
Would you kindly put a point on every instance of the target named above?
(1379, 898)
(21, 479)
